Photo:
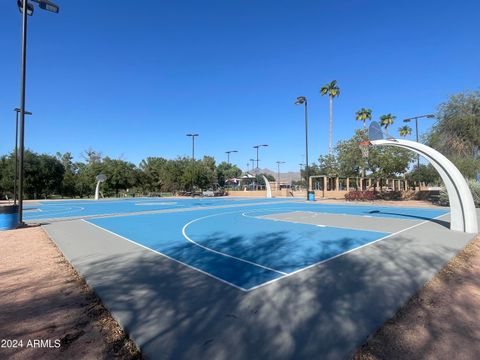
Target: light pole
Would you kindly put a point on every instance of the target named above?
(303, 100)
(193, 157)
(257, 147)
(26, 9)
(228, 154)
(278, 173)
(301, 166)
(253, 164)
(407, 120)
(17, 110)
(193, 144)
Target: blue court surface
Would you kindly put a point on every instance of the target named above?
(239, 245)
(61, 209)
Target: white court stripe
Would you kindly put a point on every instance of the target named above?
(346, 252)
(219, 252)
(168, 257)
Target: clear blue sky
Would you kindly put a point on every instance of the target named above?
(131, 78)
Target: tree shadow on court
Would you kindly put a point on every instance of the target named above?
(326, 311)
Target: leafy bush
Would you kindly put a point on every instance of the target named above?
(474, 189)
(391, 195)
(361, 195)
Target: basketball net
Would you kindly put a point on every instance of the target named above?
(364, 148)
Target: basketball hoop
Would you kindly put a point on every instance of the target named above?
(364, 148)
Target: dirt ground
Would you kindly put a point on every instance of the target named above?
(43, 298)
(46, 310)
(442, 321)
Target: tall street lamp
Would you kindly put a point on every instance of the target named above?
(193, 157)
(228, 154)
(407, 120)
(253, 164)
(278, 173)
(17, 110)
(257, 147)
(26, 9)
(193, 144)
(301, 167)
(302, 100)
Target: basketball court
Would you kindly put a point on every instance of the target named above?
(194, 278)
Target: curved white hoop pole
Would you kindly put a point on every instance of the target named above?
(462, 208)
(97, 190)
(267, 185)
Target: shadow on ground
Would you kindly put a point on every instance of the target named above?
(325, 312)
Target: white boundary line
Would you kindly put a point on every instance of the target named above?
(219, 252)
(168, 257)
(273, 280)
(48, 212)
(262, 217)
(346, 252)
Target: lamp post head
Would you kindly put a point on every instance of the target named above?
(48, 5)
(192, 135)
(42, 4)
(301, 100)
(428, 116)
(17, 110)
(30, 7)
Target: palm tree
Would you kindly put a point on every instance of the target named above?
(386, 121)
(364, 115)
(333, 91)
(404, 131)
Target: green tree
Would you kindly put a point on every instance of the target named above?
(43, 174)
(386, 121)
(457, 131)
(84, 180)
(424, 173)
(227, 171)
(121, 175)
(154, 172)
(363, 115)
(327, 165)
(332, 90)
(404, 131)
(68, 187)
(205, 174)
(382, 161)
(261, 181)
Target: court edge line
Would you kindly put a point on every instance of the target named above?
(346, 252)
(219, 252)
(168, 257)
(347, 214)
(148, 212)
